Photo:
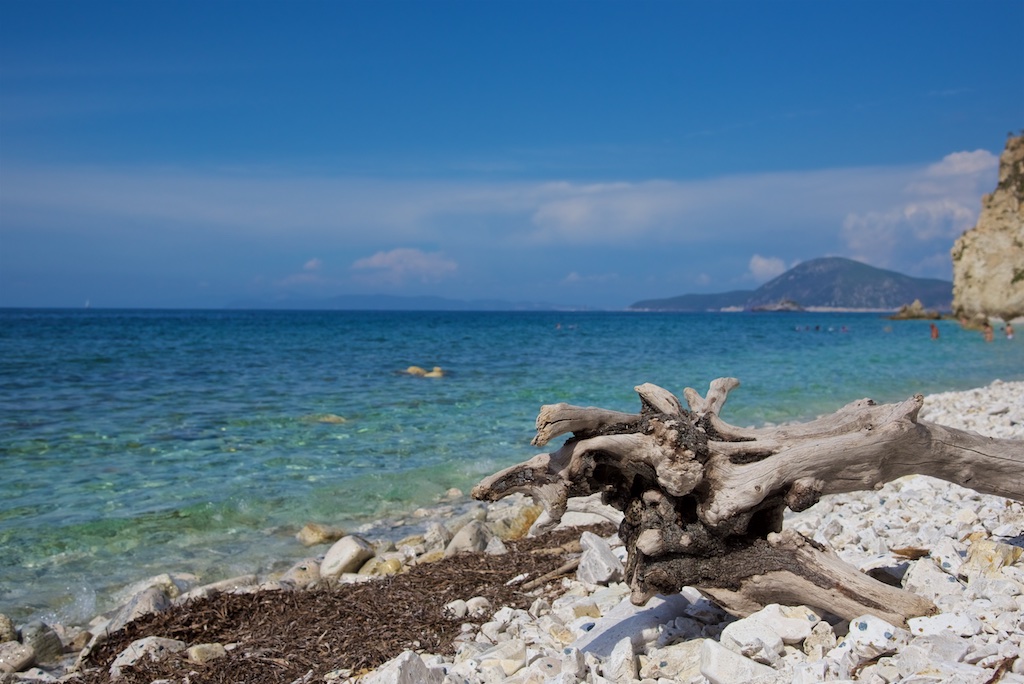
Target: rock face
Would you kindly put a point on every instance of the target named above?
(988, 260)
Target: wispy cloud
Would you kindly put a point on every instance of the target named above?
(762, 269)
(902, 217)
(398, 266)
(934, 207)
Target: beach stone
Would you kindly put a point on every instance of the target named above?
(204, 653)
(407, 668)
(346, 555)
(680, 629)
(723, 666)
(753, 639)
(313, 534)
(945, 646)
(478, 606)
(924, 578)
(985, 558)
(509, 655)
(820, 641)
(951, 623)
(15, 656)
(793, 624)
(437, 537)
(471, 538)
(7, 631)
(303, 574)
(152, 600)
(173, 585)
(598, 563)
(809, 673)
(917, 662)
(220, 587)
(455, 610)
(496, 547)
(679, 662)
(151, 647)
(640, 623)
(949, 556)
(43, 640)
(869, 637)
(620, 666)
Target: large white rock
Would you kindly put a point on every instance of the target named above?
(869, 637)
(620, 666)
(598, 564)
(722, 666)
(753, 639)
(509, 655)
(346, 555)
(679, 662)
(407, 668)
(472, 538)
(793, 624)
(945, 623)
(640, 623)
(152, 600)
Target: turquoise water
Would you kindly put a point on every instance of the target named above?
(138, 442)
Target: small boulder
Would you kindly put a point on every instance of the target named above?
(43, 640)
(15, 657)
(152, 600)
(303, 574)
(472, 538)
(722, 666)
(408, 668)
(313, 534)
(347, 555)
(7, 631)
(204, 653)
(598, 563)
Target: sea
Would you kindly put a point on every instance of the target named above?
(137, 442)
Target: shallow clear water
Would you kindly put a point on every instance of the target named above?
(138, 442)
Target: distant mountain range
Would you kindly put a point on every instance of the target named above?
(825, 283)
(388, 303)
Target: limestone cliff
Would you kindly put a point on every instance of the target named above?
(988, 260)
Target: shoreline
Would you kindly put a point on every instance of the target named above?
(996, 409)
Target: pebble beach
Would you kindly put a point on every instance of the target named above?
(958, 548)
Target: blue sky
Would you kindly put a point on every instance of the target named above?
(190, 154)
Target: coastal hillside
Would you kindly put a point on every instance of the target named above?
(829, 283)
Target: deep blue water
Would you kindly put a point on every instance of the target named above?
(138, 442)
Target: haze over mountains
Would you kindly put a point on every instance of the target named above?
(825, 283)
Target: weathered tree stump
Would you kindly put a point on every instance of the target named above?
(703, 500)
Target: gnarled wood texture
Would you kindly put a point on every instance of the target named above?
(703, 500)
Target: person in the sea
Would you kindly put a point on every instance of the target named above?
(986, 330)
(1009, 331)
(935, 331)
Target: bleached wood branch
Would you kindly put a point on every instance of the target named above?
(703, 499)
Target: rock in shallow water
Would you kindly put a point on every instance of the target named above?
(347, 555)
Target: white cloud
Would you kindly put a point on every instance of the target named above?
(401, 265)
(934, 206)
(574, 278)
(869, 213)
(964, 163)
(762, 269)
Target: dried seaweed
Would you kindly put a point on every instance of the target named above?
(285, 636)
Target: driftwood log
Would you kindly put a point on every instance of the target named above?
(703, 500)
